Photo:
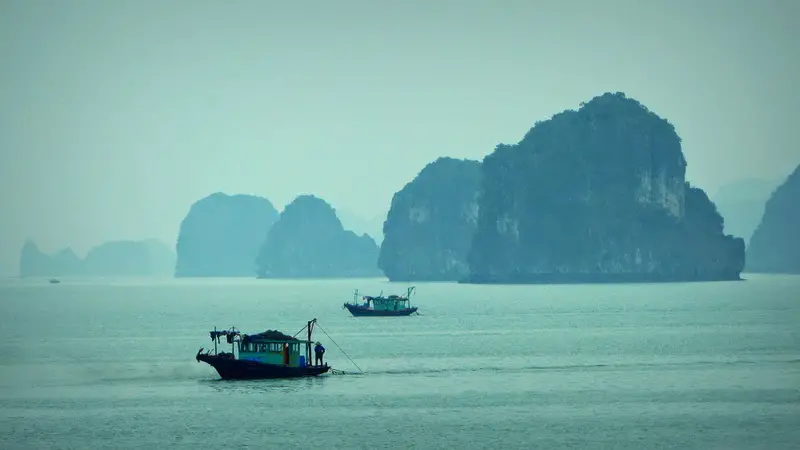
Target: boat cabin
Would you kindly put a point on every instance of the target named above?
(268, 351)
(391, 303)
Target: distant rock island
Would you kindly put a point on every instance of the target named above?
(110, 259)
(742, 205)
(598, 195)
(429, 229)
(308, 241)
(774, 247)
(361, 225)
(221, 235)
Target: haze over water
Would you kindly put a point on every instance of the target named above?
(110, 364)
(117, 116)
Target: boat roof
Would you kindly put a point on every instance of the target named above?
(391, 297)
(266, 336)
(264, 341)
(271, 336)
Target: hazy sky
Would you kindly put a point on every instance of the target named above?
(115, 116)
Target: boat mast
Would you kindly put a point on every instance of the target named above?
(215, 340)
(233, 343)
(310, 327)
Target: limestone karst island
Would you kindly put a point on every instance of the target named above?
(598, 194)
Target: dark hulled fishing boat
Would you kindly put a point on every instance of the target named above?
(393, 305)
(270, 354)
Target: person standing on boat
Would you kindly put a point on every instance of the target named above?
(319, 350)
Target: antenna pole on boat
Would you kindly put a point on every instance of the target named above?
(215, 340)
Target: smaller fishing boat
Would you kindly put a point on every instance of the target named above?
(270, 354)
(393, 305)
(54, 281)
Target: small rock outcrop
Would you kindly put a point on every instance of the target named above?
(598, 195)
(774, 247)
(111, 259)
(429, 228)
(34, 263)
(221, 235)
(308, 241)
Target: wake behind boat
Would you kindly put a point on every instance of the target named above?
(393, 305)
(270, 354)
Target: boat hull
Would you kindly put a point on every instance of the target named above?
(237, 369)
(360, 311)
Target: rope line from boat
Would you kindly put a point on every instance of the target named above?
(340, 349)
(301, 330)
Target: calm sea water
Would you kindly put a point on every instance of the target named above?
(110, 364)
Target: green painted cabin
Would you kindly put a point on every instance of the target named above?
(293, 353)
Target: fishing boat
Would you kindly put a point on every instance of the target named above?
(54, 281)
(393, 305)
(270, 354)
